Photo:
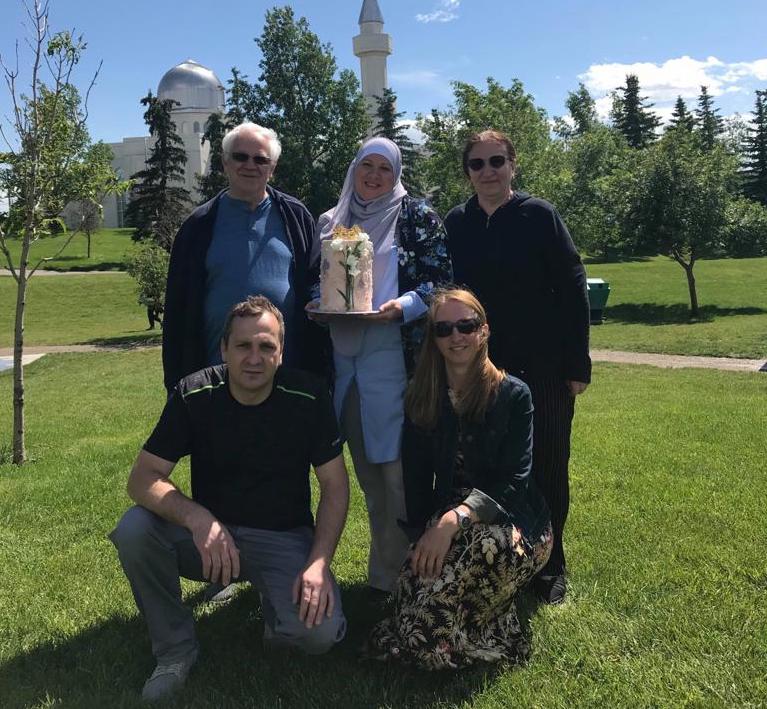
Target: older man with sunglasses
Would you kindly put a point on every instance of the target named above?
(250, 239)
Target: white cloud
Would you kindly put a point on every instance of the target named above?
(421, 79)
(412, 132)
(741, 70)
(682, 76)
(661, 82)
(416, 78)
(445, 12)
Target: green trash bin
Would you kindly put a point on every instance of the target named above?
(598, 290)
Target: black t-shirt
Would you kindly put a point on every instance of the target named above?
(250, 464)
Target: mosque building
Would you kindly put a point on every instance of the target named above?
(199, 92)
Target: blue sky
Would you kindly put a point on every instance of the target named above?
(674, 46)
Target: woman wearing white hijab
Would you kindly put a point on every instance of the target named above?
(373, 356)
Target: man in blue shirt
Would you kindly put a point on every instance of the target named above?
(250, 239)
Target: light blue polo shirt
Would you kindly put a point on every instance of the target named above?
(249, 255)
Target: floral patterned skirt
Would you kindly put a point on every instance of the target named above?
(468, 613)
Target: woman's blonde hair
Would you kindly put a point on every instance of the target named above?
(426, 390)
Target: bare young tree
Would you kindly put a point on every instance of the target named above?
(45, 137)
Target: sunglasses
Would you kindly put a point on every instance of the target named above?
(496, 161)
(444, 328)
(257, 159)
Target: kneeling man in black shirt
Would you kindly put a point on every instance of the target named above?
(251, 429)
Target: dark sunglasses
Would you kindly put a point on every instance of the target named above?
(257, 159)
(444, 328)
(496, 161)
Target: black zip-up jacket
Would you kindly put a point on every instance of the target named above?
(523, 266)
(183, 339)
(497, 455)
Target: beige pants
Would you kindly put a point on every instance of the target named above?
(385, 499)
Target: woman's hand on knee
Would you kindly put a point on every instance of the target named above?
(431, 549)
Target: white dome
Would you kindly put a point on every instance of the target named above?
(193, 86)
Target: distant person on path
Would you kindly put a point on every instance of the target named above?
(482, 529)
(251, 239)
(372, 356)
(515, 253)
(252, 429)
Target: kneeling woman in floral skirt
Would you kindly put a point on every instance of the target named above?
(482, 529)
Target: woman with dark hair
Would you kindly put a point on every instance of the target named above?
(515, 253)
(372, 356)
(482, 530)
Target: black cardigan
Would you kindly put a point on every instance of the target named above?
(524, 268)
(183, 341)
(497, 460)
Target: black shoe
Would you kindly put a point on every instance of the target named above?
(550, 589)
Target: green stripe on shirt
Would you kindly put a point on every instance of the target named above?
(207, 386)
(294, 391)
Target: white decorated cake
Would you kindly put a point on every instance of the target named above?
(346, 276)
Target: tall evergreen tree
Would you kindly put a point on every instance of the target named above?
(159, 201)
(214, 180)
(632, 116)
(708, 120)
(755, 172)
(681, 117)
(389, 125)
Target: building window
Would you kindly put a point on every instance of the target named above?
(196, 126)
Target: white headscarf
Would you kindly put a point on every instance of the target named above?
(377, 217)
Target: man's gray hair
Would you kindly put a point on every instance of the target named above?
(275, 148)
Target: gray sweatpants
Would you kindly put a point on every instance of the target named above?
(155, 553)
(384, 493)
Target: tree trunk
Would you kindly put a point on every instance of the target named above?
(88, 237)
(19, 447)
(677, 256)
(693, 292)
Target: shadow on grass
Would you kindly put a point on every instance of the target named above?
(672, 314)
(107, 666)
(148, 338)
(599, 260)
(83, 267)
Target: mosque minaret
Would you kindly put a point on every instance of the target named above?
(372, 45)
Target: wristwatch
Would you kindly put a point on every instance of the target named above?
(464, 520)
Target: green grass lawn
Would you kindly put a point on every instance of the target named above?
(648, 308)
(108, 251)
(665, 541)
(66, 310)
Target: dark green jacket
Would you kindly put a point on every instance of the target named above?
(497, 460)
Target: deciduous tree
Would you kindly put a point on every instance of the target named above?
(317, 111)
(512, 110)
(93, 179)
(45, 137)
(681, 200)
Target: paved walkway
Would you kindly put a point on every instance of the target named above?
(679, 361)
(46, 272)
